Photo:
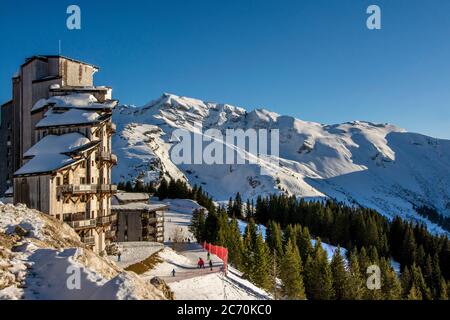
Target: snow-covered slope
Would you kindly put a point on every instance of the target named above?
(42, 258)
(374, 165)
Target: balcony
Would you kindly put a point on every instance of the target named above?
(77, 189)
(106, 188)
(86, 188)
(88, 240)
(82, 224)
(106, 220)
(152, 221)
(107, 157)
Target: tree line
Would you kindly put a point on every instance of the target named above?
(305, 270)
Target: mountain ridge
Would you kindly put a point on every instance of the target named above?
(380, 166)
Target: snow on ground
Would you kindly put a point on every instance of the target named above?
(134, 252)
(191, 283)
(330, 250)
(42, 258)
(261, 228)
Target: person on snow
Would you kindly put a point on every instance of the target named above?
(173, 273)
(119, 255)
(201, 263)
(211, 265)
(209, 256)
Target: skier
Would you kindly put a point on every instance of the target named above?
(209, 256)
(211, 265)
(173, 273)
(119, 254)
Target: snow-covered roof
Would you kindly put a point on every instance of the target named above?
(9, 191)
(131, 197)
(75, 100)
(70, 117)
(83, 88)
(45, 163)
(138, 206)
(52, 153)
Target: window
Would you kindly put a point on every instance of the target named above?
(58, 181)
(92, 163)
(92, 180)
(82, 180)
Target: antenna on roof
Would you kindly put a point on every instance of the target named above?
(59, 47)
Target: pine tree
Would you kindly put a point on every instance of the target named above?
(128, 186)
(356, 285)
(211, 228)
(249, 248)
(234, 244)
(419, 282)
(390, 284)
(442, 290)
(223, 228)
(237, 207)
(414, 294)
(304, 243)
(230, 207)
(291, 273)
(318, 276)
(197, 226)
(262, 269)
(274, 239)
(163, 190)
(340, 275)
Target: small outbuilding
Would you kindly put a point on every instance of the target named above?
(137, 219)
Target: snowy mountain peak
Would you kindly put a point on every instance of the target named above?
(374, 165)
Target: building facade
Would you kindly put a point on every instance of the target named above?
(137, 219)
(61, 157)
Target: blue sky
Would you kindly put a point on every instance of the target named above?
(314, 59)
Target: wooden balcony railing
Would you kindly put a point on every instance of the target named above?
(88, 240)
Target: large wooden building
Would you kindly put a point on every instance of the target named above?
(60, 141)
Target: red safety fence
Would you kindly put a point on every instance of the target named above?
(220, 252)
